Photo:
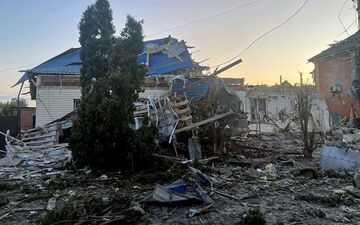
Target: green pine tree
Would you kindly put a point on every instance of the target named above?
(96, 40)
(103, 136)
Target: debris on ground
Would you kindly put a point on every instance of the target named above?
(256, 181)
(38, 151)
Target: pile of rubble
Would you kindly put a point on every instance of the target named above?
(255, 175)
(38, 151)
(341, 149)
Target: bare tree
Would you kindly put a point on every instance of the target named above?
(304, 100)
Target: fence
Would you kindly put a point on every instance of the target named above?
(8, 123)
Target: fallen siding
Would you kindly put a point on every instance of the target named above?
(339, 158)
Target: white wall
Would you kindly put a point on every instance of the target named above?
(242, 96)
(54, 102)
(154, 92)
(278, 103)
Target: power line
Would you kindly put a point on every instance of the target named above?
(17, 67)
(169, 29)
(347, 29)
(206, 18)
(339, 17)
(266, 33)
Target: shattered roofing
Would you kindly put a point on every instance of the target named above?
(348, 44)
(161, 63)
(193, 92)
(174, 57)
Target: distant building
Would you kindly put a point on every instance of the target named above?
(336, 76)
(55, 84)
(272, 107)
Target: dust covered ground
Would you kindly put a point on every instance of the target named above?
(291, 190)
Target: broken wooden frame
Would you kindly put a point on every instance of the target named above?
(38, 148)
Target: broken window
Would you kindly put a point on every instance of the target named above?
(258, 109)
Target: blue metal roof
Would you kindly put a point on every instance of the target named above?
(194, 91)
(164, 62)
(174, 57)
(161, 41)
(67, 63)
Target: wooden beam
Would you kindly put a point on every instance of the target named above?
(182, 111)
(185, 118)
(227, 67)
(178, 104)
(37, 137)
(168, 157)
(212, 119)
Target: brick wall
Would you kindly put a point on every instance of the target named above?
(59, 80)
(335, 71)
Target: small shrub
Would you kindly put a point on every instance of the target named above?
(67, 214)
(253, 217)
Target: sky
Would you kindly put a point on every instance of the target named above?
(33, 31)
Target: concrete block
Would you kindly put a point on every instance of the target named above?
(338, 158)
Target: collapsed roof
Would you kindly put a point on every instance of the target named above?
(162, 56)
(343, 47)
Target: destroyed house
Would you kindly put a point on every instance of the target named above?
(272, 107)
(336, 75)
(55, 84)
(270, 101)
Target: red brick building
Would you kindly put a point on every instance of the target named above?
(336, 77)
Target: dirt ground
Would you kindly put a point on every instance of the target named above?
(292, 190)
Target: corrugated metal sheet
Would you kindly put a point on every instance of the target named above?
(162, 63)
(193, 91)
(69, 62)
(161, 41)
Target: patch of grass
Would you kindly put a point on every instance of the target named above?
(35, 197)
(3, 201)
(253, 217)
(29, 189)
(7, 186)
(94, 205)
(67, 213)
(161, 176)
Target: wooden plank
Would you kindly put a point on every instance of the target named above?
(169, 157)
(212, 119)
(41, 146)
(55, 147)
(38, 137)
(227, 67)
(30, 143)
(33, 129)
(12, 138)
(178, 104)
(182, 111)
(39, 133)
(39, 128)
(185, 118)
(174, 54)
